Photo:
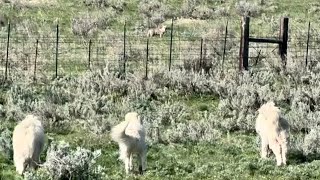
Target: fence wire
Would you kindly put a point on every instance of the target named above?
(75, 55)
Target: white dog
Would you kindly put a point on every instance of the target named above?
(273, 131)
(28, 141)
(130, 135)
(156, 31)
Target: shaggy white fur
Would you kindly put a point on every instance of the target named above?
(28, 141)
(273, 131)
(130, 135)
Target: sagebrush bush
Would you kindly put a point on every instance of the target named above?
(197, 9)
(311, 144)
(116, 4)
(99, 99)
(245, 8)
(6, 143)
(87, 24)
(202, 12)
(193, 131)
(154, 12)
(63, 162)
(222, 11)
(187, 7)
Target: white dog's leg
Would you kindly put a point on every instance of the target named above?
(130, 162)
(284, 150)
(275, 146)
(127, 164)
(284, 147)
(264, 148)
(142, 162)
(20, 165)
(284, 154)
(125, 156)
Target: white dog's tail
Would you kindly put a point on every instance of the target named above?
(270, 112)
(28, 130)
(117, 132)
(132, 126)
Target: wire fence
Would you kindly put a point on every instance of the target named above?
(59, 55)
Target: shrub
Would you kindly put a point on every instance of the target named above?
(6, 143)
(188, 7)
(98, 99)
(192, 131)
(116, 4)
(244, 8)
(64, 162)
(202, 12)
(311, 143)
(222, 11)
(153, 12)
(87, 24)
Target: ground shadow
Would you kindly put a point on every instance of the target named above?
(296, 157)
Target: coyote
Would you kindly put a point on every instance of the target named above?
(156, 31)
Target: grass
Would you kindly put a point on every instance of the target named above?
(234, 156)
(63, 11)
(43, 19)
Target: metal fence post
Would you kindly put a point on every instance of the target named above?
(89, 55)
(124, 49)
(7, 55)
(57, 49)
(225, 45)
(201, 49)
(308, 39)
(147, 59)
(244, 44)
(170, 53)
(35, 62)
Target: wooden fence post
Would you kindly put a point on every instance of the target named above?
(245, 39)
(283, 46)
(244, 44)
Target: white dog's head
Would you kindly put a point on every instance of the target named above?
(269, 106)
(132, 116)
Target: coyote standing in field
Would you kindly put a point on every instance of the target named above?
(156, 31)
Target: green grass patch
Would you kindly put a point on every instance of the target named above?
(233, 156)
